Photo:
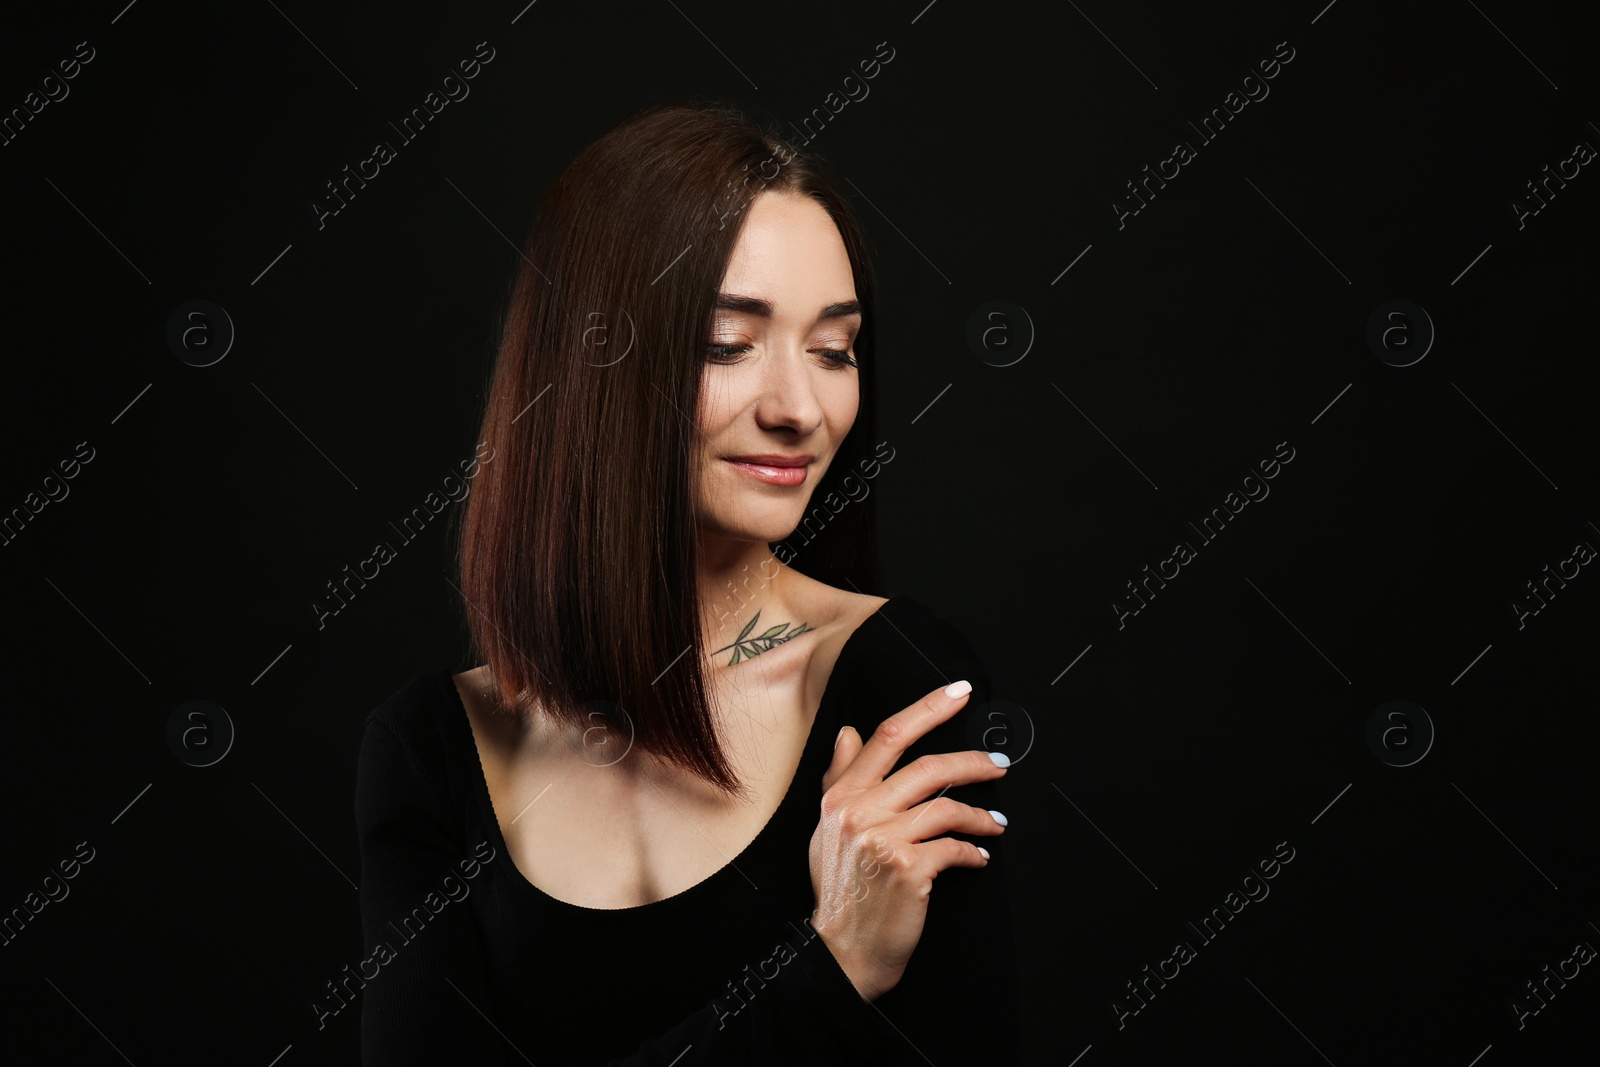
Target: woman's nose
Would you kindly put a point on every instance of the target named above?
(788, 390)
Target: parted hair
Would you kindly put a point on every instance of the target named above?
(577, 548)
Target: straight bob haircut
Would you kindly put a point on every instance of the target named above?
(578, 547)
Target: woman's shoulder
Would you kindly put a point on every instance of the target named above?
(911, 616)
(914, 649)
(421, 715)
(419, 698)
(848, 613)
(833, 605)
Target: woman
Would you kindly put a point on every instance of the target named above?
(630, 836)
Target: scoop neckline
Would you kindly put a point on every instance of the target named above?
(514, 875)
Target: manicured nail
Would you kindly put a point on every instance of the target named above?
(840, 735)
(958, 689)
(1001, 819)
(983, 852)
(1000, 759)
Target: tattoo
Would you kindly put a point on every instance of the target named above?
(750, 647)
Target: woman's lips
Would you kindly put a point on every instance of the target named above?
(772, 475)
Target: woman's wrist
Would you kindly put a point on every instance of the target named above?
(858, 972)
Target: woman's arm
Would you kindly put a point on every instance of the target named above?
(430, 1002)
(958, 999)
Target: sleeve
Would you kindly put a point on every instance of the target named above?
(968, 942)
(428, 1001)
(807, 1012)
(431, 1002)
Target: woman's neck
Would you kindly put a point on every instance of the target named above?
(740, 581)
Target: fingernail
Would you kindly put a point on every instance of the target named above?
(1001, 819)
(958, 689)
(1000, 759)
(840, 736)
(983, 852)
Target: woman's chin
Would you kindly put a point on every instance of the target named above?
(768, 530)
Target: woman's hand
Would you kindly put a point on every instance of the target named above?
(872, 866)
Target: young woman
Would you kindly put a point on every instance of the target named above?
(630, 835)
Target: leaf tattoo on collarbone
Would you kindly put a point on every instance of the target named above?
(747, 647)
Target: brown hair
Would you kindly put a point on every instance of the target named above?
(578, 544)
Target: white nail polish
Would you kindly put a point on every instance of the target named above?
(1001, 819)
(958, 689)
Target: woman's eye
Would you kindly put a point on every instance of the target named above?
(721, 353)
(838, 356)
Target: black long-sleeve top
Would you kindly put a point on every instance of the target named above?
(469, 963)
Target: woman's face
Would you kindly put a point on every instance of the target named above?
(771, 390)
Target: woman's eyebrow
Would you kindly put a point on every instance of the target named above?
(751, 305)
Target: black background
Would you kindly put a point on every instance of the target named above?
(1178, 351)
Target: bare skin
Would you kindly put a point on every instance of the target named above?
(628, 833)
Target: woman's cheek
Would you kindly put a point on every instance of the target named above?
(849, 407)
(713, 393)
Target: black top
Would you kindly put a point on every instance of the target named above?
(468, 962)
